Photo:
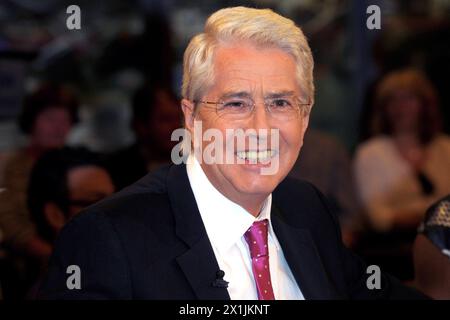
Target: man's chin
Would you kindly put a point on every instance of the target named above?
(256, 185)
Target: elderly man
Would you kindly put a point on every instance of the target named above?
(224, 229)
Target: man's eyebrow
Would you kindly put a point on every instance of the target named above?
(246, 94)
(235, 94)
(280, 94)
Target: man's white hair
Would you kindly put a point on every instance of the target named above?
(261, 27)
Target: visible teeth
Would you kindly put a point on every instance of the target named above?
(256, 155)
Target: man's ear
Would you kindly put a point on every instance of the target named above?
(188, 111)
(54, 216)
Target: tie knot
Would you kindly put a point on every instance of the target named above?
(256, 237)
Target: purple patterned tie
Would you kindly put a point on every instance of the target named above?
(256, 237)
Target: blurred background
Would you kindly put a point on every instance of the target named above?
(84, 113)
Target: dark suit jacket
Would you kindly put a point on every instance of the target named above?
(149, 242)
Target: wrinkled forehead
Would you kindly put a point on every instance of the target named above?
(245, 68)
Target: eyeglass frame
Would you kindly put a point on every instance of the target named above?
(253, 105)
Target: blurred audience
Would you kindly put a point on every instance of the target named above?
(48, 115)
(62, 183)
(325, 162)
(402, 169)
(432, 252)
(149, 51)
(156, 115)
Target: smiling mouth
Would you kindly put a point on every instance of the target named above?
(256, 156)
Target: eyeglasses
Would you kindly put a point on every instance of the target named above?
(280, 108)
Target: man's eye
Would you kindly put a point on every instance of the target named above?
(234, 105)
(281, 103)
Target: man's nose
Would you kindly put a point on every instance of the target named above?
(260, 117)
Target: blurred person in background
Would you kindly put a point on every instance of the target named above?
(404, 167)
(432, 252)
(47, 116)
(325, 163)
(155, 116)
(62, 183)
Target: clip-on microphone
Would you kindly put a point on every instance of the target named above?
(219, 282)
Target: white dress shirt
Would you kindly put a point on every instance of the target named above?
(225, 223)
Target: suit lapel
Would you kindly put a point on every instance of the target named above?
(303, 259)
(198, 263)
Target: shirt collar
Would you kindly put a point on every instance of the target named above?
(225, 221)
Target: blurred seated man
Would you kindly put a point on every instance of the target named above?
(62, 183)
(325, 163)
(432, 252)
(155, 116)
